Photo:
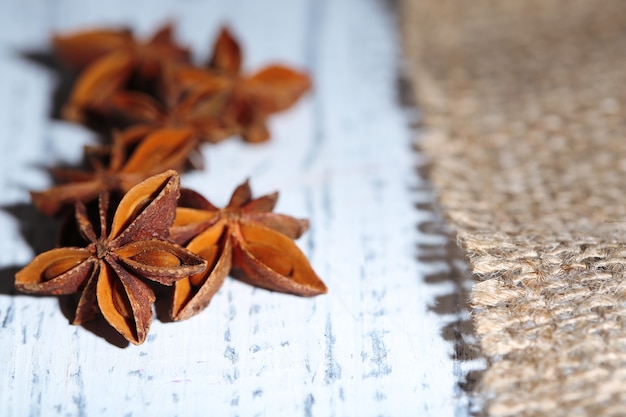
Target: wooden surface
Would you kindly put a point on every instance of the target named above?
(383, 341)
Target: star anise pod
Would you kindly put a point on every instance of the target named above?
(161, 150)
(111, 59)
(253, 98)
(245, 237)
(111, 270)
(185, 99)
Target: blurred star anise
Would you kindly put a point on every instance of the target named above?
(110, 60)
(187, 97)
(253, 98)
(110, 271)
(245, 236)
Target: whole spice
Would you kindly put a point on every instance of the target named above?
(110, 271)
(167, 107)
(246, 237)
(161, 150)
(188, 98)
(110, 59)
(253, 98)
(217, 101)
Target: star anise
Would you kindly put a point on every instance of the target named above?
(110, 271)
(161, 150)
(110, 59)
(246, 237)
(251, 99)
(188, 98)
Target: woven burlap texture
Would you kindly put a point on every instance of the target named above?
(523, 106)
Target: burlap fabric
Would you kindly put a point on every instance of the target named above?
(524, 110)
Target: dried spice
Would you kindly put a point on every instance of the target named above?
(218, 101)
(167, 108)
(253, 98)
(188, 98)
(246, 237)
(110, 59)
(111, 270)
(160, 151)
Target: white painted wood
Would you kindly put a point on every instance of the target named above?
(341, 157)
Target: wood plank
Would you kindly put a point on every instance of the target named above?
(341, 158)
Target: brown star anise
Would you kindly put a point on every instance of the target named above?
(249, 99)
(110, 59)
(188, 98)
(160, 150)
(111, 270)
(246, 237)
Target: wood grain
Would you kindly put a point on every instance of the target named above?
(342, 158)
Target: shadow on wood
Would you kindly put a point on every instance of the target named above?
(7, 279)
(460, 331)
(39, 231)
(46, 59)
(163, 301)
(98, 325)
